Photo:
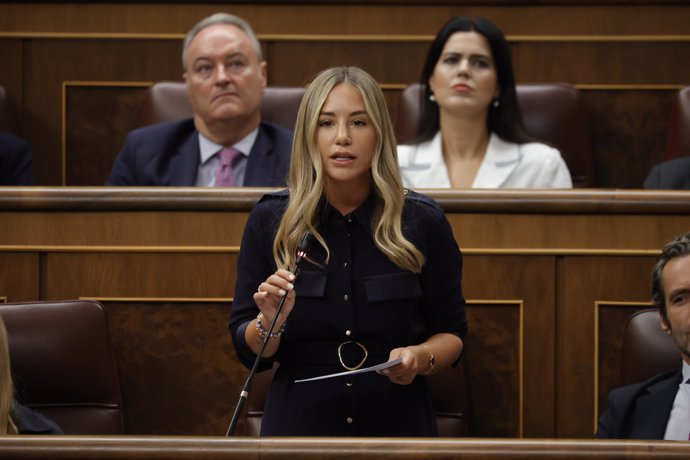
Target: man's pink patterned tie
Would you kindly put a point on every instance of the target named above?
(224, 174)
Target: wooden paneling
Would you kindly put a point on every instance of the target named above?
(168, 315)
(215, 448)
(512, 280)
(19, 276)
(562, 231)
(103, 91)
(179, 371)
(550, 279)
(85, 62)
(599, 44)
(597, 60)
(629, 133)
(126, 228)
(496, 402)
(599, 17)
(584, 281)
(97, 120)
(611, 320)
(140, 275)
(11, 78)
(295, 63)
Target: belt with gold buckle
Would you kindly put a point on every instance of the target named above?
(340, 354)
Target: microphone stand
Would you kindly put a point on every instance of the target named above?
(248, 383)
(301, 253)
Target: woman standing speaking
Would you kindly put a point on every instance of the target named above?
(382, 280)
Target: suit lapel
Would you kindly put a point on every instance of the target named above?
(424, 166)
(185, 165)
(499, 163)
(653, 409)
(437, 172)
(258, 164)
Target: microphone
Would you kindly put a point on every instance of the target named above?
(302, 251)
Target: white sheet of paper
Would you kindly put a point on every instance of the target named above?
(378, 367)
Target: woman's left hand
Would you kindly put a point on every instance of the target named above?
(414, 360)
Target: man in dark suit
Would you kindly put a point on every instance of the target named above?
(225, 143)
(659, 408)
(15, 161)
(670, 175)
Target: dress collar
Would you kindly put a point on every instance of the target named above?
(362, 215)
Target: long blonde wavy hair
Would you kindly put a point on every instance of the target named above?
(7, 425)
(306, 178)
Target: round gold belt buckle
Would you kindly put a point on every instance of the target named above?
(340, 356)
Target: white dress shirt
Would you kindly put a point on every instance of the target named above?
(678, 427)
(505, 165)
(210, 162)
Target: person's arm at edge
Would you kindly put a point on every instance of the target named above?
(124, 171)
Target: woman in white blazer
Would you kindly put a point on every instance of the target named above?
(471, 132)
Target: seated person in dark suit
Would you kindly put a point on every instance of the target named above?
(659, 408)
(28, 421)
(15, 161)
(671, 175)
(225, 144)
(15, 418)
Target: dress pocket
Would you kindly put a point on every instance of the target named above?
(311, 284)
(394, 286)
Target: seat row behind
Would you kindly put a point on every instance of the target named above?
(552, 112)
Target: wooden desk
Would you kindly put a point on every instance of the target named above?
(550, 278)
(210, 448)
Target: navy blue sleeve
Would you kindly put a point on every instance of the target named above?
(124, 170)
(15, 161)
(607, 424)
(442, 300)
(441, 277)
(254, 264)
(31, 422)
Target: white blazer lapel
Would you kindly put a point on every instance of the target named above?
(422, 165)
(500, 161)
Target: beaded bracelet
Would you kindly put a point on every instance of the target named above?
(263, 332)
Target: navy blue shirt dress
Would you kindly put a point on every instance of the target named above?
(362, 297)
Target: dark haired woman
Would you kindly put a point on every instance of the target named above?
(471, 133)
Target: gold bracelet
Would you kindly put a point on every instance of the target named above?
(432, 360)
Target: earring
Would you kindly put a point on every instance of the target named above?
(495, 103)
(432, 98)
